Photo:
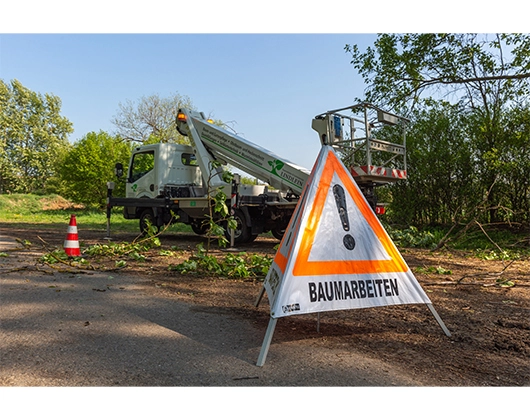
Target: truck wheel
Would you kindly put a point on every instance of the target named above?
(147, 218)
(277, 233)
(242, 233)
(198, 227)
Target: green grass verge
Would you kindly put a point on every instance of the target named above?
(29, 211)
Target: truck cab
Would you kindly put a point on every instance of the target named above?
(154, 167)
(162, 170)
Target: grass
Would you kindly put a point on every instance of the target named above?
(476, 239)
(493, 244)
(513, 245)
(29, 211)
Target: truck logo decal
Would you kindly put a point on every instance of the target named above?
(276, 165)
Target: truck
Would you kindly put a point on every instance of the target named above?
(169, 182)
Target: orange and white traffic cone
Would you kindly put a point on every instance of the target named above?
(71, 243)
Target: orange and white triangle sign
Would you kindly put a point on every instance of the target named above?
(335, 254)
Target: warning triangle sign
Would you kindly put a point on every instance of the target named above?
(335, 254)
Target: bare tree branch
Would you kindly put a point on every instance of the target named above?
(459, 80)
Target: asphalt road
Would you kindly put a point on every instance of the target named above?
(103, 330)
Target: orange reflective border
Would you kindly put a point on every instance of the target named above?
(304, 267)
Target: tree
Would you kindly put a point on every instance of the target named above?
(486, 75)
(484, 70)
(151, 119)
(89, 165)
(33, 135)
(440, 181)
(510, 161)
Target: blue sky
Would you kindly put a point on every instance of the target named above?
(269, 85)
(267, 67)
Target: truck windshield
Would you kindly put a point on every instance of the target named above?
(141, 164)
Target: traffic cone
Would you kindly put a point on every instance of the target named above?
(71, 243)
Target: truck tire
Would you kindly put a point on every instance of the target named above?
(277, 233)
(199, 228)
(147, 217)
(243, 232)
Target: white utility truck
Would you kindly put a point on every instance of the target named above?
(169, 179)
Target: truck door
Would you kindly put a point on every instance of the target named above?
(141, 180)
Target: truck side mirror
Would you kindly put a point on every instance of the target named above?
(118, 170)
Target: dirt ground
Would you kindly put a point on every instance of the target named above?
(490, 324)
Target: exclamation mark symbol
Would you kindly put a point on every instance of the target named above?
(340, 200)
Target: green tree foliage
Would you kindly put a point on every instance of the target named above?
(151, 119)
(89, 165)
(33, 135)
(440, 168)
(487, 77)
(480, 70)
(509, 160)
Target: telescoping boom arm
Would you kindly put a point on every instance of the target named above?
(212, 142)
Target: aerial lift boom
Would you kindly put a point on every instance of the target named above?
(212, 142)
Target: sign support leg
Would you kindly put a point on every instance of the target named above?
(261, 293)
(266, 342)
(439, 320)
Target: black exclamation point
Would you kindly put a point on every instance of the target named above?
(340, 200)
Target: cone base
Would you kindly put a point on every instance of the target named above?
(72, 252)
